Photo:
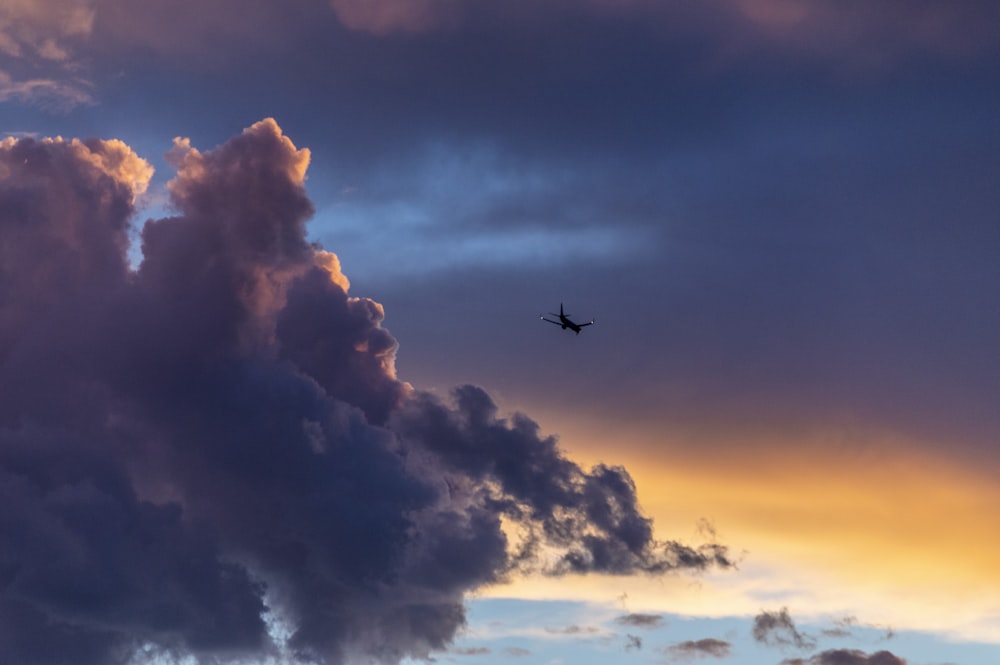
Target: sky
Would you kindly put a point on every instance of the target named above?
(273, 383)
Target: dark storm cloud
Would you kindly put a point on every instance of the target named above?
(704, 648)
(590, 519)
(213, 450)
(848, 657)
(778, 629)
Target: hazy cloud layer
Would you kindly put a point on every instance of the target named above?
(212, 455)
(75, 42)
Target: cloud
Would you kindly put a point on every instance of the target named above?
(47, 93)
(43, 37)
(581, 522)
(211, 455)
(640, 620)
(573, 630)
(516, 652)
(472, 651)
(43, 29)
(381, 17)
(778, 629)
(848, 657)
(704, 648)
(822, 27)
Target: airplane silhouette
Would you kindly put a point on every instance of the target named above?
(565, 321)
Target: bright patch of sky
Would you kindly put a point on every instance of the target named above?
(408, 242)
(452, 209)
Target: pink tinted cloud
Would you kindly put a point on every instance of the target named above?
(382, 17)
(29, 28)
(66, 229)
(862, 33)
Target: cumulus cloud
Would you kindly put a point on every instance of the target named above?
(704, 648)
(778, 629)
(212, 456)
(848, 657)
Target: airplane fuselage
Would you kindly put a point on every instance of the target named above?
(565, 322)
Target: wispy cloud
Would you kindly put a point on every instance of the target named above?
(778, 629)
(42, 38)
(44, 30)
(516, 652)
(472, 651)
(47, 93)
(639, 620)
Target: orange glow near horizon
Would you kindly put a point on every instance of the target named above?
(879, 530)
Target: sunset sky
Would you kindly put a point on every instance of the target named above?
(273, 383)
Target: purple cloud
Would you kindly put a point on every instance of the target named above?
(704, 648)
(848, 657)
(639, 620)
(212, 454)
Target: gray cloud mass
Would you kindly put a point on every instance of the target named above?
(214, 444)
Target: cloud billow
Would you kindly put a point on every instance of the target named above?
(211, 455)
(847, 657)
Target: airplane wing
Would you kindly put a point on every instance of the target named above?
(588, 323)
(549, 321)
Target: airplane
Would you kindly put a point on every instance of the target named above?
(565, 321)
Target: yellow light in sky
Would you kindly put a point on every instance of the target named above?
(876, 530)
